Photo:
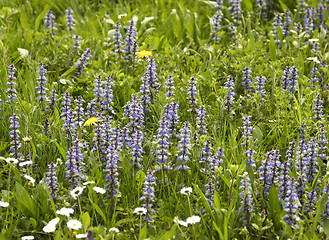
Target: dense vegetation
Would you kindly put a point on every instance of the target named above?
(164, 119)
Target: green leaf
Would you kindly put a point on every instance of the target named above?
(216, 200)
(272, 49)
(248, 5)
(40, 17)
(319, 210)
(123, 221)
(218, 230)
(204, 201)
(274, 206)
(100, 212)
(283, 6)
(140, 178)
(61, 150)
(226, 181)
(326, 226)
(169, 234)
(25, 203)
(143, 233)
(85, 221)
(34, 223)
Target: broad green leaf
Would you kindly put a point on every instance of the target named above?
(272, 49)
(326, 226)
(85, 221)
(319, 210)
(143, 233)
(204, 201)
(25, 203)
(169, 234)
(61, 150)
(40, 17)
(123, 221)
(100, 212)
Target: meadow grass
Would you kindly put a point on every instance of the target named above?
(163, 119)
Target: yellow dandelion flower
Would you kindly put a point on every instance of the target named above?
(144, 53)
(91, 121)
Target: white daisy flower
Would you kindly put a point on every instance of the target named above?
(27, 238)
(53, 221)
(31, 179)
(114, 230)
(99, 190)
(177, 221)
(76, 192)
(140, 211)
(65, 211)
(27, 139)
(22, 164)
(122, 15)
(87, 183)
(12, 160)
(193, 219)
(49, 228)
(81, 236)
(74, 224)
(186, 191)
(4, 204)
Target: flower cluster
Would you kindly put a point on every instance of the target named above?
(52, 180)
(318, 108)
(229, 100)
(162, 141)
(134, 111)
(322, 140)
(246, 134)
(314, 78)
(277, 24)
(246, 80)
(11, 91)
(69, 19)
(14, 135)
(112, 170)
(148, 194)
(116, 136)
(152, 77)
(309, 20)
(76, 46)
(107, 94)
(131, 40)
(191, 94)
(171, 113)
(49, 22)
(246, 198)
(117, 40)
(42, 82)
(201, 120)
(236, 11)
(260, 86)
(312, 161)
(287, 23)
(136, 148)
(67, 115)
(216, 22)
(79, 112)
(170, 87)
(262, 8)
(52, 102)
(145, 93)
(83, 61)
(291, 204)
(184, 146)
